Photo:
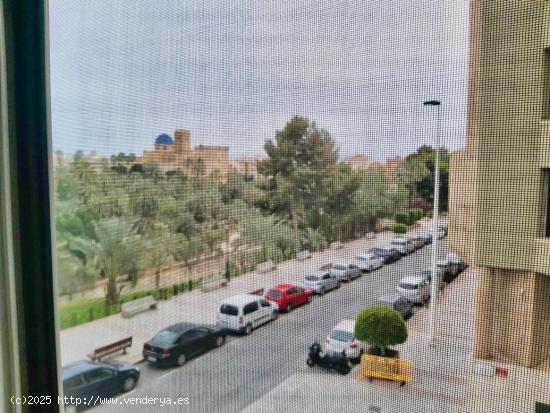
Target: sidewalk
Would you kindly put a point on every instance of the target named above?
(441, 373)
(194, 306)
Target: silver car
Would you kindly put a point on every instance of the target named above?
(369, 262)
(320, 282)
(345, 271)
(404, 245)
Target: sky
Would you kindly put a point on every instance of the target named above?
(234, 72)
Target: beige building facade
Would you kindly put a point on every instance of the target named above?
(178, 154)
(499, 214)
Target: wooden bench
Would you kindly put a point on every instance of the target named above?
(266, 266)
(140, 305)
(101, 352)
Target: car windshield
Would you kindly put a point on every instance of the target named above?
(341, 335)
(407, 286)
(338, 267)
(274, 293)
(164, 337)
(229, 309)
(360, 258)
(312, 278)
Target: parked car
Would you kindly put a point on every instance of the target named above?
(89, 380)
(427, 275)
(426, 237)
(457, 262)
(448, 269)
(244, 312)
(369, 262)
(179, 342)
(288, 296)
(342, 339)
(345, 271)
(321, 281)
(415, 289)
(398, 303)
(418, 241)
(388, 254)
(403, 245)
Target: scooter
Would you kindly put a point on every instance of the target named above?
(336, 361)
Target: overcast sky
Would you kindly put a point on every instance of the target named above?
(233, 72)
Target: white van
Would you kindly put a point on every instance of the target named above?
(245, 312)
(414, 289)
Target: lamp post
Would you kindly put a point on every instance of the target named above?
(435, 218)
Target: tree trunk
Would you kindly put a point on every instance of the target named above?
(112, 296)
(157, 278)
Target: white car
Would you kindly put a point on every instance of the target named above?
(345, 271)
(342, 338)
(414, 289)
(369, 262)
(244, 312)
(320, 282)
(404, 245)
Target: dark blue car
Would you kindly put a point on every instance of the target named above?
(90, 380)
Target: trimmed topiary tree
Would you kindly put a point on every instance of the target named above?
(400, 228)
(402, 217)
(380, 327)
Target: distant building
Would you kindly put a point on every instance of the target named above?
(177, 154)
(248, 166)
(359, 162)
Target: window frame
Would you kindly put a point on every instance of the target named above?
(27, 204)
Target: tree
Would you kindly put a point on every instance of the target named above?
(298, 161)
(188, 250)
(113, 253)
(380, 327)
(418, 174)
(158, 251)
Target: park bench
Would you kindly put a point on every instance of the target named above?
(266, 266)
(137, 306)
(303, 255)
(336, 245)
(120, 345)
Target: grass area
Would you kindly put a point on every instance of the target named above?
(75, 314)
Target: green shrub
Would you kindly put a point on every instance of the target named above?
(414, 215)
(402, 218)
(380, 327)
(400, 228)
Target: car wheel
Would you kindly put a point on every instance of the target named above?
(322, 291)
(309, 299)
(248, 329)
(71, 408)
(220, 341)
(274, 315)
(129, 384)
(180, 361)
(288, 308)
(310, 362)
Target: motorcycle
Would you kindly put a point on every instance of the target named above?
(336, 361)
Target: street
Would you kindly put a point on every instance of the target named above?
(233, 377)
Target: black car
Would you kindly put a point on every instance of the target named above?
(178, 343)
(397, 303)
(388, 254)
(90, 380)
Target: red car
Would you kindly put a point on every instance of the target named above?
(288, 296)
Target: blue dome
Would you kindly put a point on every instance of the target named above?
(164, 139)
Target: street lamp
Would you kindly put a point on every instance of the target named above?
(435, 217)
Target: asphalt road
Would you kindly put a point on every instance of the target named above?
(232, 377)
